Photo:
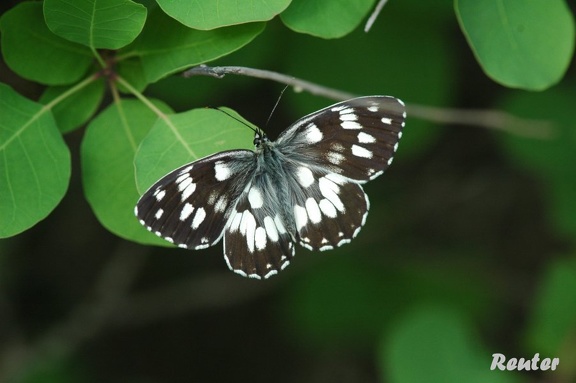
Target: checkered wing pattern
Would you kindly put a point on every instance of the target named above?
(356, 138)
(189, 206)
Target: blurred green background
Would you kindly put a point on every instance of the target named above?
(469, 248)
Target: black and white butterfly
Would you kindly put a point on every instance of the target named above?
(304, 188)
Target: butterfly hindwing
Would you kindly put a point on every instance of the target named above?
(329, 210)
(190, 205)
(257, 241)
(356, 138)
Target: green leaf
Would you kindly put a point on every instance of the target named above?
(185, 137)
(552, 326)
(167, 46)
(210, 14)
(519, 44)
(326, 18)
(35, 53)
(99, 24)
(107, 152)
(34, 163)
(76, 109)
(548, 157)
(433, 344)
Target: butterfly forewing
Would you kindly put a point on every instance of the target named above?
(190, 205)
(356, 138)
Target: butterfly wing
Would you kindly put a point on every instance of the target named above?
(258, 242)
(190, 205)
(356, 138)
(328, 209)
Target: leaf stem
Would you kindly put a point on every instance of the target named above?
(98, 57)
(82, 84)
(141, 97)
(159, 113)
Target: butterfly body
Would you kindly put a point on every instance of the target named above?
(304, 188)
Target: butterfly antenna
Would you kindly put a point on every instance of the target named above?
(257, 131)
(275, 105)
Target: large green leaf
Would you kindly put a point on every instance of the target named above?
(326, 18)
(76, 109)
(167, 46)
(519, 44)
(210, 14)
(185, 137)
(108, 151)
(434, 344)
(35, 53)
(34, 163)
(99, 24)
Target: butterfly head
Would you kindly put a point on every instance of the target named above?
(260, 139)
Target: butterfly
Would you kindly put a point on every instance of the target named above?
(304, 188)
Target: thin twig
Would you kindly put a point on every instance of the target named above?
(374, 15)
(486, 118)
(296, 83)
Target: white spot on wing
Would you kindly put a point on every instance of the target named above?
(338, 108)
(335, 158)
(255, 198)
(248, 228)
(387, 121)
(260, 238)
(313, 134)
(359, 151)
(221, 171)
(373, 108)
(350, 125)
(300, 216)
(221, 204)
(198, 217)
(365, 138)
(346, 111)
(270, 273)
(185, 181)
(327, 208)
(186, 193)
(159, 194)
(271, 228)
(348, 117)
(337, 147)
(313, 210)
(305, 176)
(159, 213)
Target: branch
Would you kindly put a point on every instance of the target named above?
(374, 15)
(486, 118)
